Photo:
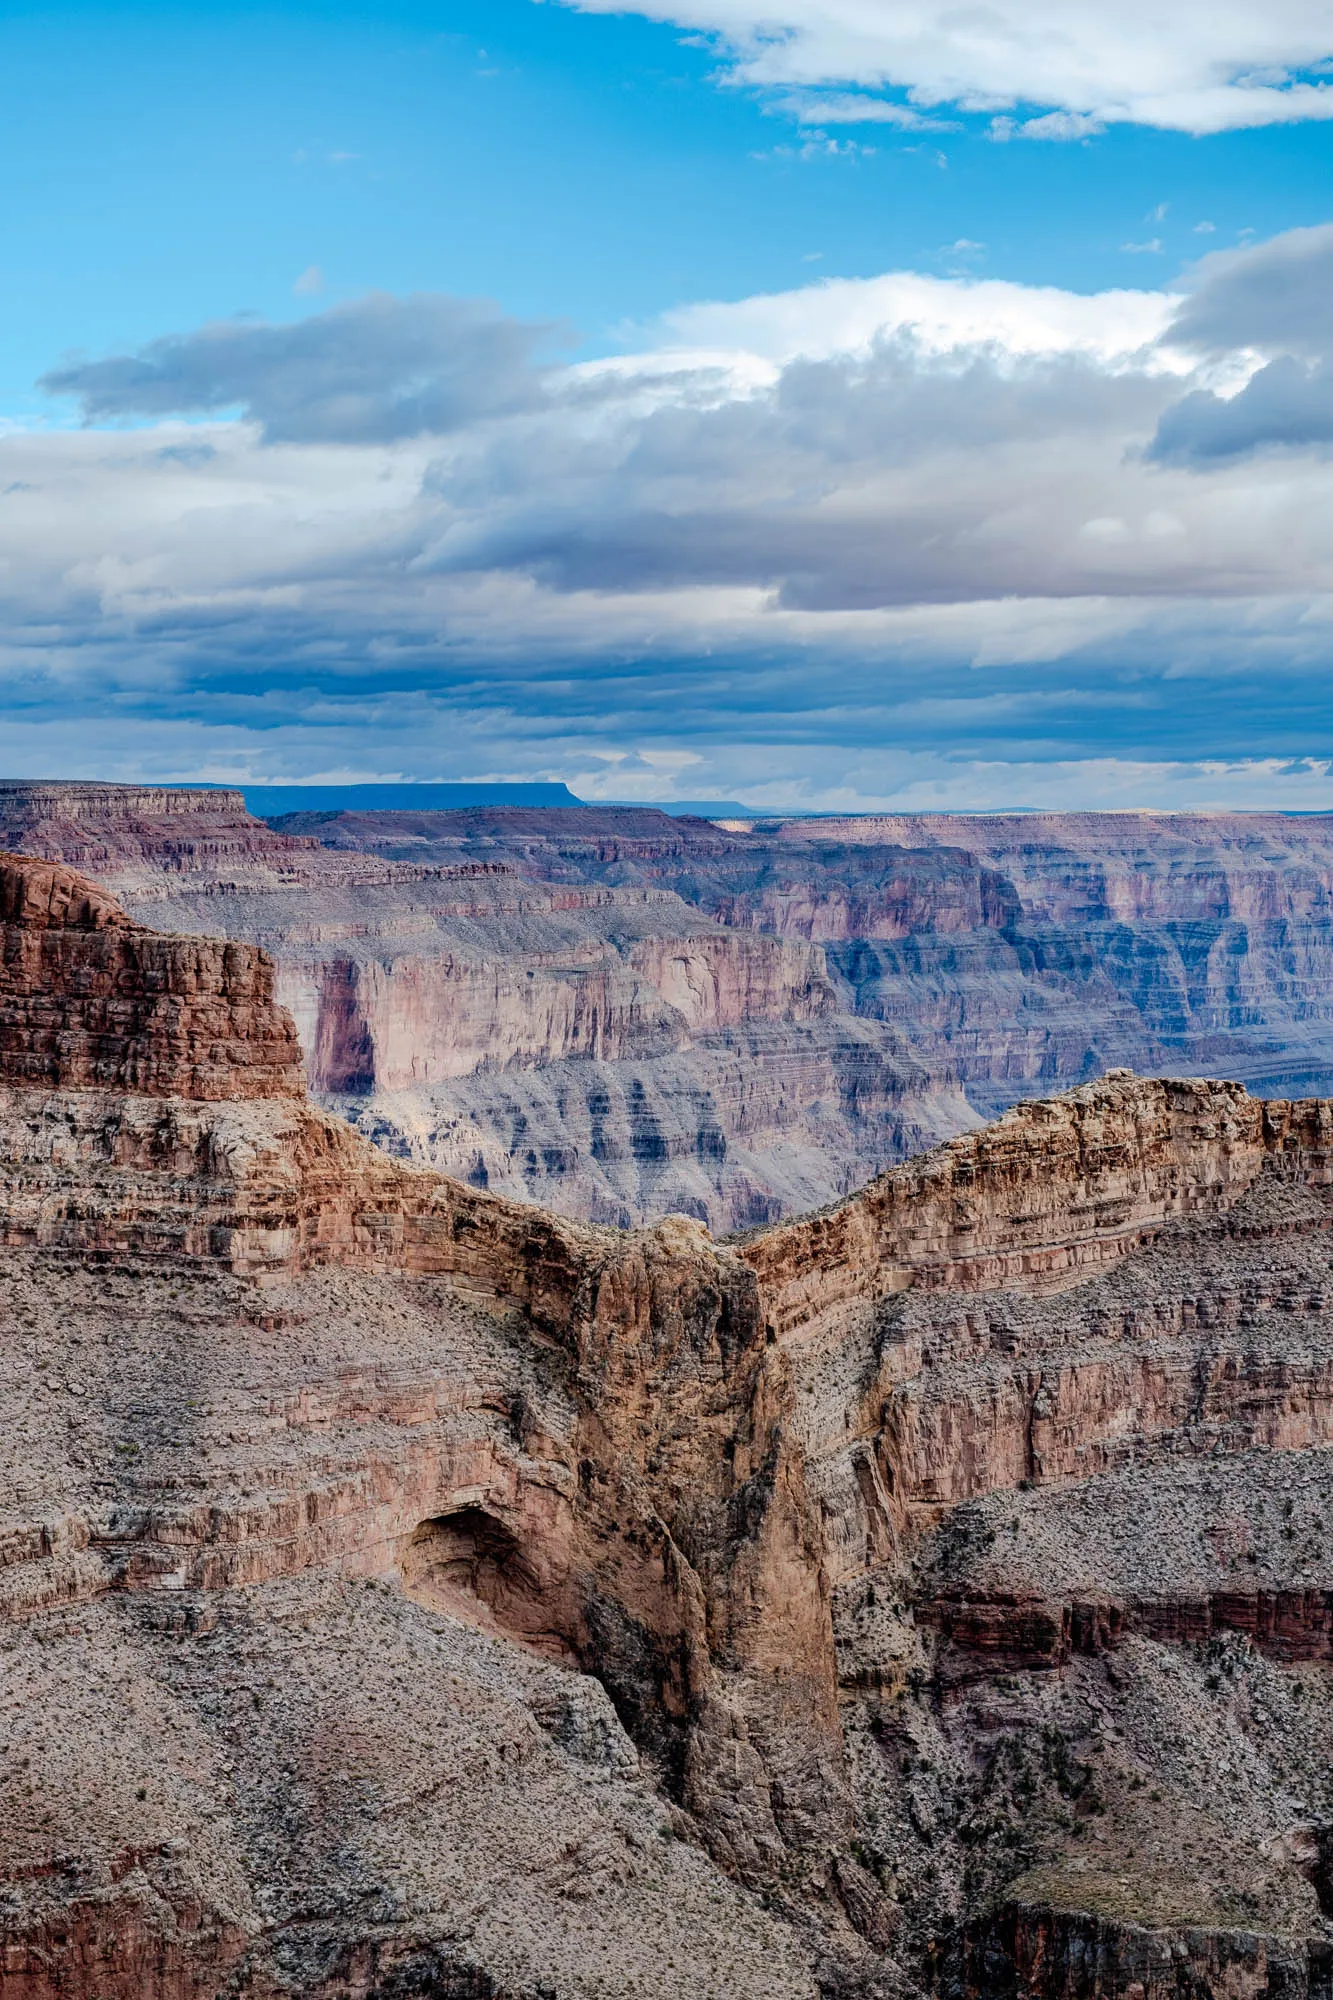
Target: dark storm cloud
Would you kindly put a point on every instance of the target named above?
(378, 370)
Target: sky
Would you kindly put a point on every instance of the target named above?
(837, 404)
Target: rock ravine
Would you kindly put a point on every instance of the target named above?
(407, 1590)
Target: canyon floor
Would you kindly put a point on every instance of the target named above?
(408, 1590)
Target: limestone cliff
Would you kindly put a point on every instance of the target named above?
(605, 1047)
(406, 1590)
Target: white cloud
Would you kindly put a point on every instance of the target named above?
(879, 539)
(1192, 67)
(939, 315)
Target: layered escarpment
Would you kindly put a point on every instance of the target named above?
(605, 1047)
(561, 1450)
(405, 1589)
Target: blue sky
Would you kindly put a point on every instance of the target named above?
(994, 522)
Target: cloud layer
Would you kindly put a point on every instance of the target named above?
(372, 372)
(918, 540)
(1191, 67)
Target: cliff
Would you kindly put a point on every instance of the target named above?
(405, 1589)
(448, 1004)
(1046, 1195)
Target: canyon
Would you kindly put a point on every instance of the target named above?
(622, 1015)
(606, 1048)
(406, 1589)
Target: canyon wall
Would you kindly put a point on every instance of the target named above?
(405, 1589)
(606, 1048)
(1020, 952)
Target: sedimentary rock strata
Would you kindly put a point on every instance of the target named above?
(404, 1589)
(1024, 951)
(604, 1047)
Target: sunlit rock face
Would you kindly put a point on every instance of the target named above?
(405, 1589)
(1019, 952)
(607, 1048)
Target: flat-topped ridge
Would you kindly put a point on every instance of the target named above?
(1048, 1194)
(60, 798)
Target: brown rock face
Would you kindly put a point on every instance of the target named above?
(403, 1589)
(90, 1000)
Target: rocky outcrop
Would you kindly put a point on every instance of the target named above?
(1056, 1954)
(1049, 1193)
(404, 1588)
(631, 1556)
(89, 1000)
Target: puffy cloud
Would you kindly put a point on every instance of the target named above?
(1192, 67)
(898, 539)
(366, 373)
(941, 316)
(1270, 311)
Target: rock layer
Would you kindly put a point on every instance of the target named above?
(403, 1589)
(89, 1000)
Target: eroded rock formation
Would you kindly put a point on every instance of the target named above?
(407, 1590)
(607, 1048)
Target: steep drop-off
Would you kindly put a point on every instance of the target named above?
(404, 1590)
(1018, 952)
(608, 1049)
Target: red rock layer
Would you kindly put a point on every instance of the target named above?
(1050, 1193)
(91, 1001)
(1002, 1633)
(1063, 1955)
